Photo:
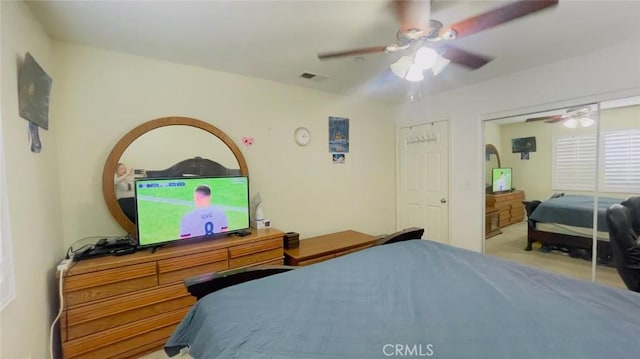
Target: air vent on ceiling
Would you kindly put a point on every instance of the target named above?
(312, 76)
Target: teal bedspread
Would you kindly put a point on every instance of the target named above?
(418, 298)
(574, 210)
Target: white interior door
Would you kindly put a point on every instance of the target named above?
(423, 179)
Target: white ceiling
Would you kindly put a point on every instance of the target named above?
(279, 40)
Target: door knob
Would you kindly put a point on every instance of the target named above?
(442, 200)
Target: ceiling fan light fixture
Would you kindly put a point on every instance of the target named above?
(440, 64)
(401, 67)
(571, 123)
(426, 57)
(586, 122)
(414, 74)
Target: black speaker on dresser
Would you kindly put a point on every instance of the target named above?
(291, 240)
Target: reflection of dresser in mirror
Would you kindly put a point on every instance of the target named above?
(492, 218)
(509, 207)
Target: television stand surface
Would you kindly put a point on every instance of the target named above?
(155, 248)
(242, 233)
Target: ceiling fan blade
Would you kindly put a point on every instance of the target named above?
(413, 14)
(499, 16)
(464, 57)
(355, 52)
(548, 119)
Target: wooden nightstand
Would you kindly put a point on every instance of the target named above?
(321, 248)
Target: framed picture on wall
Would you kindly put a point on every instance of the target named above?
(523, 144)
(34, 87)
(338, 134)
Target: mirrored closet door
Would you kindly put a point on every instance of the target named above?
(563, 168)
(618, 167)
(548, 162)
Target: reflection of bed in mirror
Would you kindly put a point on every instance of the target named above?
(567, 221)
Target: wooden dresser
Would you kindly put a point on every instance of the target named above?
(124, 307)
(321, 248)
(509, 206)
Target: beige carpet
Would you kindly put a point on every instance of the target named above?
(510, 245)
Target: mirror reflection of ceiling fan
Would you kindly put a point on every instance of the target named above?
(575, 117)
(428, 42)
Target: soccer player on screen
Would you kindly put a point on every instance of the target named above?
(206, 219)
(502, 182)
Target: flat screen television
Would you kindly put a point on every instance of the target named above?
(174, 209)
(501, 180)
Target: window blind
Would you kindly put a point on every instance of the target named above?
(621, 161)
(574, 163)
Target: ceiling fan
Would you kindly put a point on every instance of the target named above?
(575, 117)
(427, 40)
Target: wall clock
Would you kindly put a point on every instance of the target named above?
(302, 136)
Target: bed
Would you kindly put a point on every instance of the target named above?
(412, 298)
(567, 221)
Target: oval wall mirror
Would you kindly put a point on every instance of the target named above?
(164, 147)
(492, 158)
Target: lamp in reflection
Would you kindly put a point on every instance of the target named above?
(584, 121)
(571, 123)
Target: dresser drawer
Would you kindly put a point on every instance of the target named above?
(92, 286)
(332, 255)
(126, 338)
(315, 260)
(255, 252)
(517, 210)
(277, 262)
(177, 269)
(106, 314)
(255, 247)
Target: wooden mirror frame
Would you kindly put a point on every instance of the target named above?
(108, 187)
(491, 149)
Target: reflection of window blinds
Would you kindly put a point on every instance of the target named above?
(622, 161)
(574, 163)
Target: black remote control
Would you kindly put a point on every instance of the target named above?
(123, 251)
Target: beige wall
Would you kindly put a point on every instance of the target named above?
(585, 78)
(104, 94)
(34, 196)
